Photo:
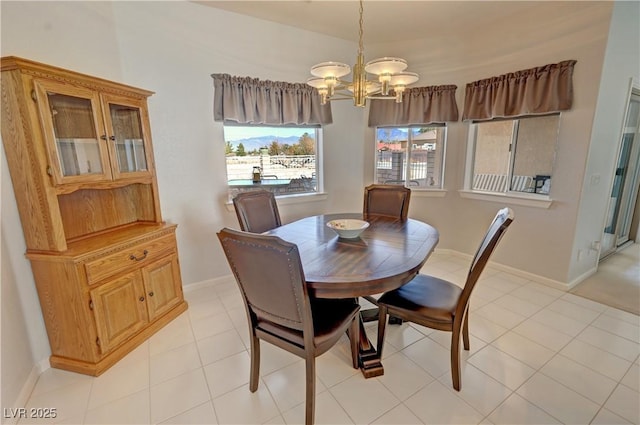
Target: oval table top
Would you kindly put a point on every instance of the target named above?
(387, 254)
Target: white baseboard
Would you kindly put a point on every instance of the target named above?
(563, 286)
(27, 388)
(43, 365)
(209, 282)
(582, 277)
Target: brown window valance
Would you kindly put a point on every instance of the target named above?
(244, 100)
(420, 105)
(540, 90)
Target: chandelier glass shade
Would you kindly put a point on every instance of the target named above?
(390, 72)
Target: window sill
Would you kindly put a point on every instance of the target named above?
(428, 193)
(301, 198)
(292, 199)
(536, 201)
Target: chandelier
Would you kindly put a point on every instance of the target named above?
(390, 71)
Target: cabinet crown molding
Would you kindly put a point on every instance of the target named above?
(41, 70)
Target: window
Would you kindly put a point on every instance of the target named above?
(514, 155)
(284, 157)
(411, 156)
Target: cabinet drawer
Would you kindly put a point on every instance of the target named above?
(129, 258)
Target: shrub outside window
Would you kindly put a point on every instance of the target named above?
(285, 159)
(411, 156)
(514, 155)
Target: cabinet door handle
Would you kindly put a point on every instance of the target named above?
(103, 137)
(151, 294)
(134, 258)
(141, 299)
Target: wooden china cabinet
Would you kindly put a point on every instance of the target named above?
(81, 162)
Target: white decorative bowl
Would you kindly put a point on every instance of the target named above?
(348, 228)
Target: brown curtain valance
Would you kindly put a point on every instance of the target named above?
(420, 105)
(540, 90)
(244, 100)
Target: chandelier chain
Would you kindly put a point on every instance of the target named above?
(390, 84)
(361, 43)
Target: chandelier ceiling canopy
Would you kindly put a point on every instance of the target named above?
(327, 77)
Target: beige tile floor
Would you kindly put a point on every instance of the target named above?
(617, 282)
(538, 356)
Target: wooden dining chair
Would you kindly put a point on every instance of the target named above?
(388, 200)
(438, 304)
(257, 211)
(279, 308)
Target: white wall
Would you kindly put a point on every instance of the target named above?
(621, 66)
(170, 48)
(174, 53)
(173, 47)
(540, 240)
(18, 295)
(54, 37)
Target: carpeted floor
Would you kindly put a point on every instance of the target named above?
(617, 282)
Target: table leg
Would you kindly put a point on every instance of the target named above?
(369, 360)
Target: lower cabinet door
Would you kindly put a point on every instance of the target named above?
(163, 286)
(120, 309)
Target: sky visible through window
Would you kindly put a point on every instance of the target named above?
(238, 133)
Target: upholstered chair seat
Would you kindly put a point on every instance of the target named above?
(439, 304)
(279, 308)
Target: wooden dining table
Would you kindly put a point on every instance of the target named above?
(388, 254)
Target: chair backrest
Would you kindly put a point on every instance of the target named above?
(387, 200)
(269, 273)
(496, 230)
(257, 211)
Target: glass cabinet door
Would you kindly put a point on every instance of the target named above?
(128, 140)
(73, 132)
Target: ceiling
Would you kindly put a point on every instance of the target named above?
(384, 20)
